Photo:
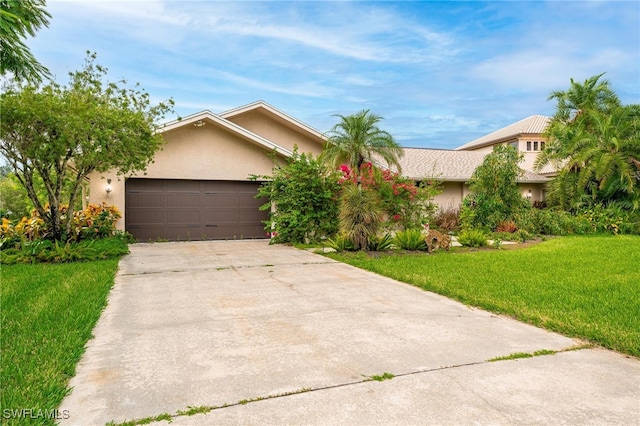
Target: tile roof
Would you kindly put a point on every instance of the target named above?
(534, 124)
(448, 165)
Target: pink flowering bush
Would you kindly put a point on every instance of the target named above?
(406, 205)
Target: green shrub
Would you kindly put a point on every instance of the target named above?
(611, 219)
(495, 196)
(523, 235)
(504, 236)
(377, 243)
(472, 238)
(95, 221)
(410, 239)
(305, 200)
(26, 251)
(340, 243)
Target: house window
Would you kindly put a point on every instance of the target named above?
(514, 144)
(535, 146)
(541, 146)
(528, 145)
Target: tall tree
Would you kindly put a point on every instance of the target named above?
(63, 133)
(593, 140)
(357, 139)
(18, 20)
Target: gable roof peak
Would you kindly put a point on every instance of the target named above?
(534, 124)
(282, 116)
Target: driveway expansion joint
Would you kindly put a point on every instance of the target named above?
(203, 409)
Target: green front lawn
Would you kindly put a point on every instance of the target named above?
(580, 286)
(48, 312)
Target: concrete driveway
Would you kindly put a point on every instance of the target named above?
(276, 335)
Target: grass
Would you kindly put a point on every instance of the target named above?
(48, 312)
(581, 286)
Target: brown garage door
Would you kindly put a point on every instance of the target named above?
(179, 210)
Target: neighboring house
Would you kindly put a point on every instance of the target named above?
(454, 169)
(524, 135)
(199, 187)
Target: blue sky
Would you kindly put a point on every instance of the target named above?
(440, 73)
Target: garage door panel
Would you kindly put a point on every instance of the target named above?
(183, 217)
(183, 200)
(145, 200)
(193, 210)
(147, 216)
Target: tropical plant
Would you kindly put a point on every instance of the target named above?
(47, 251)
(594, 142)
(60, 133)
(360, 214)
(357, 139)
(340, 243)
(508, 226)
(405, 204)
(495, 196)
(305, 200)
(410, 239)
(592, 95)
(380, 243)
(472, 238)
(18, 20)
(93, 222)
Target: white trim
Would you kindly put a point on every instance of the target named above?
(220, 121)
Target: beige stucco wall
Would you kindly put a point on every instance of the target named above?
(257, 122)
(207, 152)
(451, 196)
(454, 192)
(537, 191)
(529, 157)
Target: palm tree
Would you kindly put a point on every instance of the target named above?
(357, 139)
(360, 215)
(595, 142)
(592, 95)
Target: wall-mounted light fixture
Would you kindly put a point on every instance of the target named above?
(529, 195)
(199, 123)
(108, 188)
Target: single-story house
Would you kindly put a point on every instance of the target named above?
(199, 187)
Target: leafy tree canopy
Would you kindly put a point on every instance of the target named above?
(62, 133)
(18, 20)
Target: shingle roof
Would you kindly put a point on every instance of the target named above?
(535, 124)
(418, 163)
(448, 165)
